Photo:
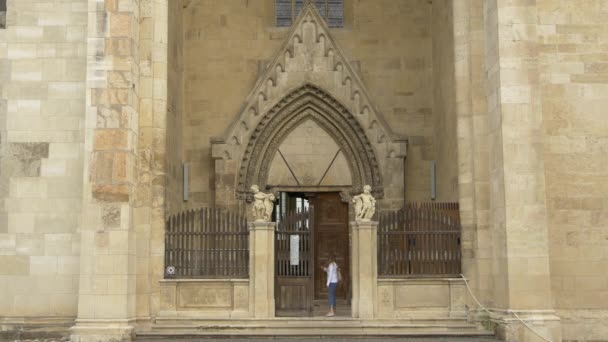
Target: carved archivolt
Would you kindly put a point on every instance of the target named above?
(309, 102)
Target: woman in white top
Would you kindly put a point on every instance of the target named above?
(332, 283)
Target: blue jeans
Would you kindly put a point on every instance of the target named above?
(332, 294)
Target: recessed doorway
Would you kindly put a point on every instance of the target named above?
(310, 228)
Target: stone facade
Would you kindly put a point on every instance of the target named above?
(102, 102)
(572, 59)
(42, 107)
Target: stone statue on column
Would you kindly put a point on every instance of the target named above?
(263, 205)
(365, 205)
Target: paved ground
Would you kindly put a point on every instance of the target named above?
(298, 339)
(330, 339)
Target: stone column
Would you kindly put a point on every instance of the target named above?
(364, 256)
(261, 269)
(149, 206)
(520, 231)
(107, 286)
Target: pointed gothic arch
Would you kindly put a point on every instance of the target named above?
(309, 102)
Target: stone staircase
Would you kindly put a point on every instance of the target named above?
(310, 326)
(316, 326)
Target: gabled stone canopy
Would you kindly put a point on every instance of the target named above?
(301, 105)
(310, 57)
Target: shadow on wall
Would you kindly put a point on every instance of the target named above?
(2, 14)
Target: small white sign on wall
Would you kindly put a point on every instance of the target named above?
(294, 250)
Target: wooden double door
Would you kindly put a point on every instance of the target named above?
(316, 232)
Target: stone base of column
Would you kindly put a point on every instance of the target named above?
(261, 269)
(103, 330)
(541, 325)
(364, 268)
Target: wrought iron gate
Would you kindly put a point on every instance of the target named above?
(294, 272)
(206, 243)
(420, 239)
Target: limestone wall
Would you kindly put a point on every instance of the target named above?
(518, 219)
(226, 43)
(545, 86)
(175, 102)
(573, 54)
(495, 162)
(461, 125)
(444, 102)
(204, 298)
(422, 297)
(42, 111)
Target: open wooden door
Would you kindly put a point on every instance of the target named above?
(293, 264)
(331, 237)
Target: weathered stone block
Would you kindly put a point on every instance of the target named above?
(111, 139)
(111, 193)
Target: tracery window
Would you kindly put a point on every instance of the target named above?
(287, 11)
(2, 14)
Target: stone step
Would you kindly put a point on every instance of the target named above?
(324, 339)
(310, 326)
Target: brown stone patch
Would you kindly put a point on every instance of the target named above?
(119, 79)
(109, 116)
(111, 5)
(111, 193)
(120, 24)
(110, 96)
(101, 169)
(119, 170)
(110, 139)
(119, 47)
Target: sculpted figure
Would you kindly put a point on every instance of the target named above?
(365, 205)
(262, 205)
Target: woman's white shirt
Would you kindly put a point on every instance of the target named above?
(332, 273)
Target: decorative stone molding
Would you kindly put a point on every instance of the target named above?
(309, 78)
(309, 102)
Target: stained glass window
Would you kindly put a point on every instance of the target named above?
(332, 10)
(283, 12)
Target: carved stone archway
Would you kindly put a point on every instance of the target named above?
(338, 103)
(309, 102)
